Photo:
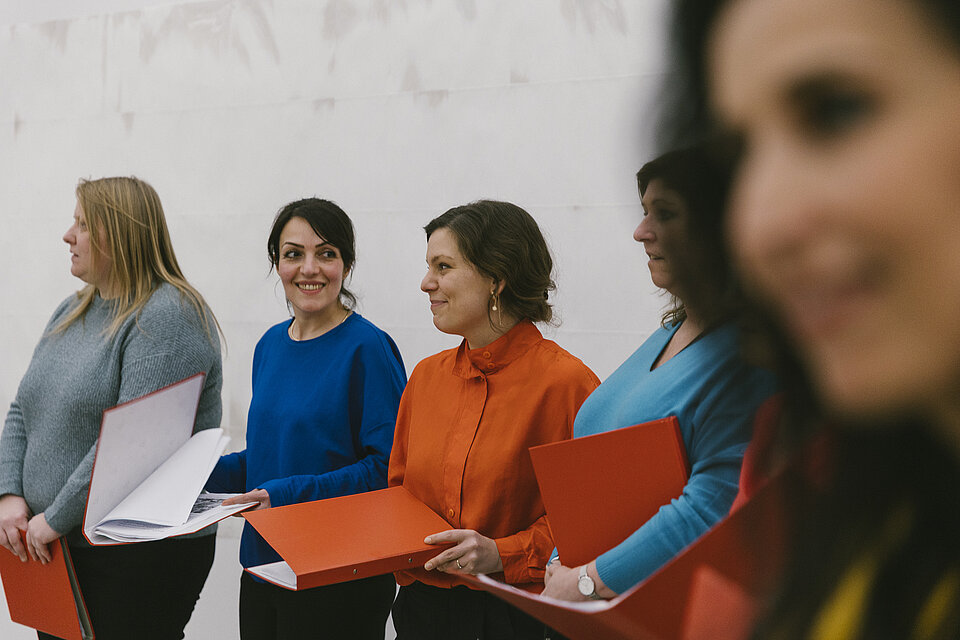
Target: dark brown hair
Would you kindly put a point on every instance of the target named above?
(328, 221)
(702, 182)
(878, 473)
(503, 242)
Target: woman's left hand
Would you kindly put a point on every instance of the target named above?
(561, 583)
(39, 535)
(260, 496)
(472, 553)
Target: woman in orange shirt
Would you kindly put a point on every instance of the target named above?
(468, 416)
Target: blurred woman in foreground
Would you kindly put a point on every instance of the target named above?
(845, 221)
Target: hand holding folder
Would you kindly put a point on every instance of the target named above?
(14, 516)
(725, 565)
(347, 538)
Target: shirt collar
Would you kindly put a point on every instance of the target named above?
(491, 358)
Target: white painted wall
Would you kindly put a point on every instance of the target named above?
(396, 109)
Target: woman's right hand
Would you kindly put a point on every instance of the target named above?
(14, 517)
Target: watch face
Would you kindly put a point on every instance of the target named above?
(585, 585)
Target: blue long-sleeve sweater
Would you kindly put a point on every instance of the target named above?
(714, 396)
(321, 420)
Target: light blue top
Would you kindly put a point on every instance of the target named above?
(714, 395)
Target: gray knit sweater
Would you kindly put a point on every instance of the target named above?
(50, 434)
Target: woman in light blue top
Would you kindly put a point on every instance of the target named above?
(689, 368)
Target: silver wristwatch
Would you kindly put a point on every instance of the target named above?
(585, 584)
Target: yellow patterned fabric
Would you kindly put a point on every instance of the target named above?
(842, 615)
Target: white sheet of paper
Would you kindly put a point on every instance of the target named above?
(136, 438)
(279, 573)
(167, 495)
(207, 510)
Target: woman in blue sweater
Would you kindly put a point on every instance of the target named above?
(689, 368)
(326, 387)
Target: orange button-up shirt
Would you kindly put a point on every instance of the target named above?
(466, 420)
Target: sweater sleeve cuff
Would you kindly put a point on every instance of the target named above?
(61, 522)
(275, 488)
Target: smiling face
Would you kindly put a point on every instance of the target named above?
(311, 270)
(845, 214)
(94, 270)
(663, 231)
(459, 294)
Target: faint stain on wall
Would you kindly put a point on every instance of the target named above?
(595, 14)
(56, 32)
(218, 26)
(340, 17)
(324, 104)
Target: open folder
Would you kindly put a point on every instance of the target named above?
(46, 596)
(347, 538)
(150, 469)
(599, 489)
(718, 578)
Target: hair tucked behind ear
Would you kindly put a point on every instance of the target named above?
(503, 242)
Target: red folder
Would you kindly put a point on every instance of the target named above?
(599, 489)
(743, 549)
(45, 596)
(348, 538)
(718, 608)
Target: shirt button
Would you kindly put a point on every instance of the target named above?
(451, 512)
(490, 365)
(486, 354)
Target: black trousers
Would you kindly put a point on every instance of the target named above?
(357, 610)
(423, 612)
(145, 590)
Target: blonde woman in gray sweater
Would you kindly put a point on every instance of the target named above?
(135, 327)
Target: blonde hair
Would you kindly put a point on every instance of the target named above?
(125, 221)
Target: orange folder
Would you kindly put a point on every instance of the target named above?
(743, 551)
(45, 596)
(599, 489)
(347, 538)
